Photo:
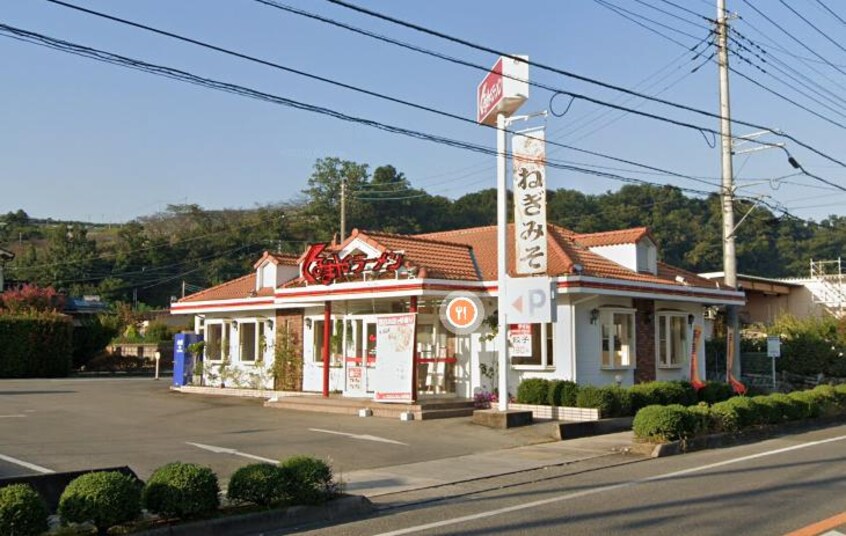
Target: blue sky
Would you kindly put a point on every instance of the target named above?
(86, 140)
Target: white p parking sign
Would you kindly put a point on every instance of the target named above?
(529, 300)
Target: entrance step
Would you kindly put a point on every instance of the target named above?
(423, 410)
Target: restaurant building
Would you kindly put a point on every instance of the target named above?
(619, 315)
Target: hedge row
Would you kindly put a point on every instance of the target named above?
(613, 401)
(675, 421)
(35, 345)
(176, 490)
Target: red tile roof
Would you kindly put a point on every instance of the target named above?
(613, 238)
(243, 287)
(285, 259)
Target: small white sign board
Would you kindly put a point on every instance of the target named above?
(529, 300)
(773, 346)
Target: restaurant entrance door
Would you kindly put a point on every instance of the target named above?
(359, 355)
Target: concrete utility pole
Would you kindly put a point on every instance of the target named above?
(727, 194)
(343, 209)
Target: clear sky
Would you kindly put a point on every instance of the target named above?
(86, 140)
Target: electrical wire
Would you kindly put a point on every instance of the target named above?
(812, 25)
(585, 79)
(833, 14)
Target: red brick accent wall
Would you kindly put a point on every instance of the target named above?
(645, 343)
(289, 365)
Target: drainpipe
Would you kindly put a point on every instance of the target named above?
(327, 335)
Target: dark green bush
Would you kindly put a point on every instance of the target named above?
(685, 391)
(829, 399)
(309, 480)
(714, 392)
(642, 395)
(769, 410)
(562, 393)
(662, 393)
(181, 490)
(792, 409)
(809, 402)
(747, 412)
(621, 404)
(725, 417)
(600, 398)
(533, 391)
(90, 338)
(36, 345)
(103, 498)
(157, 331)
(260, 483)
(22, 512)
(704, 419)
(664, 423)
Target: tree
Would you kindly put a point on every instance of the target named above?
(323, 196)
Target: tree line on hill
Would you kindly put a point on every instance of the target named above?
(185, 247)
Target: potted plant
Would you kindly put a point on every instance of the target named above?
(196, 350)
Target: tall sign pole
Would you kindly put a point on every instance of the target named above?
(503, 90)
(502, 262)
(727, 195)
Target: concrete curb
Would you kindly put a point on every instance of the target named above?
(712, 441)
(337, 510)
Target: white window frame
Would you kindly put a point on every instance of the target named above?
(261, 328)
(225, 338)
(606, 318)
(546, 330)
(666, 316)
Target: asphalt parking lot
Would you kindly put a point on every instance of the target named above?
(76, 424)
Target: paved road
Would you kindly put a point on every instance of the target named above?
(773, 487)
(73, 424)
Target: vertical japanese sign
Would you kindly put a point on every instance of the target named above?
(529, 157)
(394, 357)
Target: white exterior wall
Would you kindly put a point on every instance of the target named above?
(251, 374)
(682, 372)
(589, 345)
(622, 254)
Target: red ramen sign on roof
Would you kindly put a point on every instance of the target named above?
(325, 268)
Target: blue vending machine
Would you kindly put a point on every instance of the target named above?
(183, 361)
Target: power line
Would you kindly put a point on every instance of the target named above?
(581, 78)
(835, 15)
(344, 85)
(690, 11)
(812, 25)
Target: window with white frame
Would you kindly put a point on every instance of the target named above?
(618, 338)
(672, 339)
(217, 340)
(531, 345)
(251, 340)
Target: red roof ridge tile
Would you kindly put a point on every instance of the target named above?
(417, 238)
(193, 297)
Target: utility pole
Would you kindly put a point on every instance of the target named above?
(727, 194)
(343, 209)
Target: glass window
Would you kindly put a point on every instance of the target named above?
(214, 334)
(617, 339)
(531, 344)
(247, 333)
(672, 339)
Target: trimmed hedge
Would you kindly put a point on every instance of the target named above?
(35, 345)
(309, 480)
(181, 490)
(533, 391)
(714, 392)
(562, 393)
(263, 484)
(664, 423)
(22, 512)
(106, 499)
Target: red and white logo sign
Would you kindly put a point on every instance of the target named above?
(489, 93)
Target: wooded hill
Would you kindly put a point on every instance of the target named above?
(153, 255)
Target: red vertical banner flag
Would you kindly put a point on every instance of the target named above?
(736, 385)
(528, 150)
(695, 380)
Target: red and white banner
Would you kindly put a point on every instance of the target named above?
(529, 157)
(392, 376)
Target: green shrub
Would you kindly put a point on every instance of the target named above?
(602, 399)
(714, 392)
(662, 393)
(769, 410)
(35, 345)
(91, 335)
(704, 419)
(829, 399)
(260, 483)
(809, 403)
(562, 393)
(181, 490)
(747, 411)
(533, 391)
(309, 480)
(725, 417)
(157, 331)
(792, 409)
(104, 498)
(642, 395)
(22, 512)
(664, 423)
(621, 404)
(685, 392)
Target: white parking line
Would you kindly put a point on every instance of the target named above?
(14, 416)
(234, 452)
(602, 489)
(365, 437)
(28, 465)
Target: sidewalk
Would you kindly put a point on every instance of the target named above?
(414, 476)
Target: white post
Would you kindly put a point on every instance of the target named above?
(158, 357)
(502, 261)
